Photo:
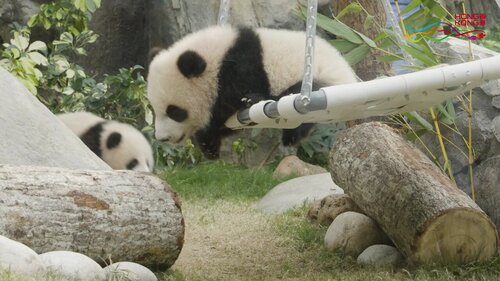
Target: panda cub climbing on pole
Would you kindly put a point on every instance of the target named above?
(120, 145)
(199, 82)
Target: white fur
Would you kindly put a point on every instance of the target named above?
(166, 85)
(133, 144)
(283, 55)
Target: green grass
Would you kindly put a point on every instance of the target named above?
(218, 180)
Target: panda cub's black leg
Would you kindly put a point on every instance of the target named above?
(292, 137)
(210, 141)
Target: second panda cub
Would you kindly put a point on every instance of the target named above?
(120, 145)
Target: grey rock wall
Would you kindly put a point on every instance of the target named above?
(128, 29)
(31, 135)
(485, 134)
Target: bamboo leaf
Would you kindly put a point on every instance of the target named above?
(353, 7)
(436, 9)
(447, 112)
(369, 20)
(413, 4)
(388, 58)
(339, 29)
(367, 40)
(413, 135)
(357, 54)
(343, 45)
(416, 54)
(417, 119)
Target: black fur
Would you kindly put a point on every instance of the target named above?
(92, 138)
(242, 73)
(113, 140)
(241, 77)
(292, 137)
(131, 165)
(176, 113)
(191, 64)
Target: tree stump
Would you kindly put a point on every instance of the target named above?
(426, 216)
(106, 215)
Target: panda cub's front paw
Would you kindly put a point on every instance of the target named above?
(247, 101)
(251, 99)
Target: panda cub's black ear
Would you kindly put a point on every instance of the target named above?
(191, 64)
(114, 140)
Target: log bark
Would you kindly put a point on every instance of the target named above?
(426, 216)
(106, 215)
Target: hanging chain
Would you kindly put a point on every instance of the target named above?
(223, 12)
(307, 81)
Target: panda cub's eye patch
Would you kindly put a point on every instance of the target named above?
(114, 140)
(131, 165)
(176, 113)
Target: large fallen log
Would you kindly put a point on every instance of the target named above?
(106, 215)
(426, 216)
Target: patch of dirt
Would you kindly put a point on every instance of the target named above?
(232, 241)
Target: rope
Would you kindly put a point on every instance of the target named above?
(307, 81)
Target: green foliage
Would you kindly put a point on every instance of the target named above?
(492, 40)
(315, 149)
(243, 147)
(418, 55)
(65, 15)
(170, 156)
(48, 71)
(22, 58)
(353, 44)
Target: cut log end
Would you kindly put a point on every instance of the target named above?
(426, 216)
(458, 236)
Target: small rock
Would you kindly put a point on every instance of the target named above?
(296, 192)
(324, 211)
(495, 101)
(292, 166)
(72, 265)
(487, 184)
(495, 124)
(130, 271)
(381, 255)
(19, 258)
(351, 233)
(491, 88)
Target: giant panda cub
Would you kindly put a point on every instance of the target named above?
(206, 77)
(120, 145)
